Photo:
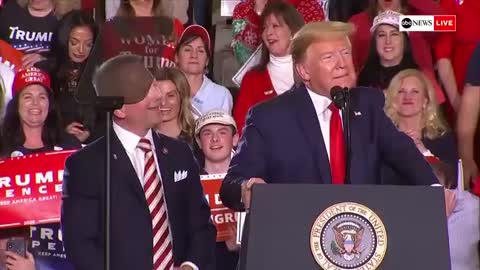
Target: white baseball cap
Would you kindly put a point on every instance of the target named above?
(387, 17)
(214, 117)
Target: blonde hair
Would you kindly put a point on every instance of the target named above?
(185, 116)
(318, 31)
(433, 124)
(62, 7)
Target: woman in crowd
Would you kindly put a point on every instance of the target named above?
(458, 46)
(76, 37)
(363, 22)
(453, 50)
(31, 29)
(390, 53)
(274, 75)
(193, 53)
(143, 28)
(31, 123)
(247, 24)
(177, 118)
(410, 104)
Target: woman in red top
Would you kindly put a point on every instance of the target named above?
(274, 74)
(458, 46)
(247, 26)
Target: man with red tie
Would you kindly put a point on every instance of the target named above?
(298, 137)
(160, 219)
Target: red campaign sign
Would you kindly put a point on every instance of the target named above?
(223, 218)
(31, 189)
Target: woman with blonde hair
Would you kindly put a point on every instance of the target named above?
(177, 118)
(411, 105)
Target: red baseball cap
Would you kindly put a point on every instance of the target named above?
(28, 77)
(195, 30)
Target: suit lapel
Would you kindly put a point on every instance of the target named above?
(308, 120)
(124, 168)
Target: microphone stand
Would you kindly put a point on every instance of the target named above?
(347, 135)
(108, 104)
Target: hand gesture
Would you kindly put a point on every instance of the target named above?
(78, 130)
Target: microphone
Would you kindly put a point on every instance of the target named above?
(339, 96)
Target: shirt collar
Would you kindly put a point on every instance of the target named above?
(129, 139)
(320, 102)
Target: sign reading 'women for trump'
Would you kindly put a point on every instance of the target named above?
(31, 189)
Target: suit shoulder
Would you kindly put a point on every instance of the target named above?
(90, 151)
(368, 95)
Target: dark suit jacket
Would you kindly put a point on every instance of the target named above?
(444, 148)
(131, 231)
(283, 143)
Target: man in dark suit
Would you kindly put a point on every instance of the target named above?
(159, 216)
(298, 136)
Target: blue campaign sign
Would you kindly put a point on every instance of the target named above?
(47, 248)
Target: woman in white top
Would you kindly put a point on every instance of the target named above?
(192, 55)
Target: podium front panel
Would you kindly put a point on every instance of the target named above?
(282, 217)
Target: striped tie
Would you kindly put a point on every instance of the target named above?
(162, 246)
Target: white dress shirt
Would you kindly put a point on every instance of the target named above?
(130, 142)
(321, 103)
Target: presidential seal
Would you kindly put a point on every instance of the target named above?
(348, 236)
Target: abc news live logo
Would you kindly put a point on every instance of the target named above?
(440, 23)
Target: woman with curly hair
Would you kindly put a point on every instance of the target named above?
(411, 105)
(177, 118)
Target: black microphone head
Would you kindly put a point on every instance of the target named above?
(338, 95)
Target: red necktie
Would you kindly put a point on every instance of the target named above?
(162, 246)
(337, 147)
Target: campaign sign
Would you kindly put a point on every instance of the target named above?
(223, 218)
